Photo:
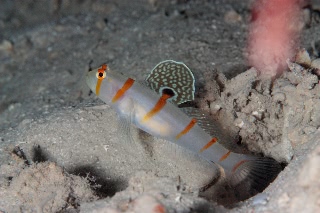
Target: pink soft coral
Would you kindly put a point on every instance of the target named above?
(274, 34)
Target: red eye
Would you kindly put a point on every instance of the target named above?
(101, 74)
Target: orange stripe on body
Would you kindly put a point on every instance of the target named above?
(100, 70)
(238, 164)
(225, 156)
(98, 86)
(157, 108)
(210, 143)
(126, 86)
(187, 128)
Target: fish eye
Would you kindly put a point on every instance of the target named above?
(100, 74)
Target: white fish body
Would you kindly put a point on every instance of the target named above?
(157, 116)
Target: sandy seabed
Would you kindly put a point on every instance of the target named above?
(60, 148)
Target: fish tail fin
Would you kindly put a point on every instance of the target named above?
(255, 173)
(246, 178)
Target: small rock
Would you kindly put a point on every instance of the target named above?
(257, 115)
(215, 109)
(238, 122)
(232, 17)
(260, 199)
(295, 68)
(316, 63)
(303, 58)
(6, 46)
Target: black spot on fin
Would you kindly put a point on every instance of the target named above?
(173, 76)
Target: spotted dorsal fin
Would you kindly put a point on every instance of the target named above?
(172, 77)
